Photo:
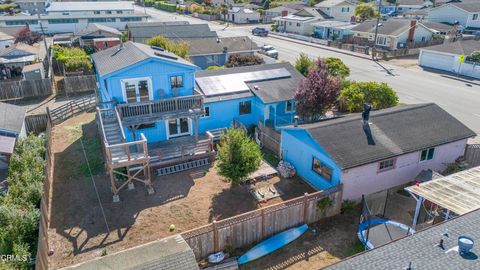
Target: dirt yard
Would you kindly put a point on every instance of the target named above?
(336, 239)
(79, 230)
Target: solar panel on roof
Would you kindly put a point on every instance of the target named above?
(166, 56)
(236, 83)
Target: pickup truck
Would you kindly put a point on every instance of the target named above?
(269, 50)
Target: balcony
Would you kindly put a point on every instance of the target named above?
(154, 110)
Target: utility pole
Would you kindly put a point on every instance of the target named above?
(374, 51)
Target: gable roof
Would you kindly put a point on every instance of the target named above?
(11, 117)
(394, 131)
(88, 6)
(466, 47)
(94, 27)
(118, 57)
(390, 27)
(207, 46)
(469, 7)
(170, 31)
(279, 9)
(333, 3)
(28, 49)
(413, 2)
(421, 249)
(434, 26)
(273, 90)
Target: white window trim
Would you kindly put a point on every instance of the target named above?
(293, 108)
(124, 91)
(209, 113)
(190, 129)
(393, 167)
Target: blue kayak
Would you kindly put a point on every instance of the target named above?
(271, 244)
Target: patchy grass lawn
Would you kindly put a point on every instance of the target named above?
(85, 225)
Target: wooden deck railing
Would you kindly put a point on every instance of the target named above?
(156, 108)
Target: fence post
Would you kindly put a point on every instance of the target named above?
(305, 207)
(263, 223)
(49, 117)
(215, 236)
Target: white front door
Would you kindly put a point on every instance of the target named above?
(178, 127)
(137, 90)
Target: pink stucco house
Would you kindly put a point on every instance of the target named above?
(388, 150)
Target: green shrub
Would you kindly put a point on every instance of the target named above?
(73, 58)
(165, 6)
(215, 67)
(348, 205)
(149, 3)
(379, 95)
(324, 203)
(179, 48)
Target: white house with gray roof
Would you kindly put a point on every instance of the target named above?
(300, 22)
(392, 33)
(243, 15)
(467, 14)
(339, 10)
(403, 6)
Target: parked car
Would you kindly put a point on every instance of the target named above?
(259, 31)
(269, 50)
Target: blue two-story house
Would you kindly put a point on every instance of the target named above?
(168, 102)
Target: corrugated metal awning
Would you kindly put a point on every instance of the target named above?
(459, 192)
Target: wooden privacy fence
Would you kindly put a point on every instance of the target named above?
(269, 137)
(41, 259)
(251, 227)
(79, 84)
(36, 123)
(472, 155)
(25, 89)
(72, 108)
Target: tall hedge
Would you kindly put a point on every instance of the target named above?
(165, 6)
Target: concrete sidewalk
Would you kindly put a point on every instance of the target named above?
(360, 55)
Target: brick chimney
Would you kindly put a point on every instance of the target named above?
(411, 32)
(284, 13)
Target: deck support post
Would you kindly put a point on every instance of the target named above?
(195, 126)
(215, 236)
(417, 209)
(305, 207)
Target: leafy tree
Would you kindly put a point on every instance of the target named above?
(266, 5)
(237, 156)
(474, 57)
(317, 93)
(180, 48)
(379, 95)
(337, 68)
(303, 64)
(365, 11)
(238, 60)
(24, 35)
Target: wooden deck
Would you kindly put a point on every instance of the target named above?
(180, 149)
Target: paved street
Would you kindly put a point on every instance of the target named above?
(459, 98)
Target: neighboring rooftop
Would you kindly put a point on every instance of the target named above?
(129, 53)
(333, 3)
(270, 82)
(390, 27)
(207, 46)
(438, 27)
(142, 31)
(11, 117)
(421, 249)
(413, 2)
(279, 9)
(95, 27)
(470, 6)
(392, 132)
(466, 47)
(168, 253)
(4, 36)
(89, 6)
(19, 46)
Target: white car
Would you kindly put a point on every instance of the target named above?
(269, 51)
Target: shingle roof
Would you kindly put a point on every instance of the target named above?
(268, 91)
(168, 253)
(421, 249)
(11, 117)
(20, 47)
(203, 46)
(412, 2)
(178, 31)
(280, 9)
(93, 27)
(117, 58)
(437, 26)
(4, 36)
(470, 7)
(394, 131)
(390, 27)
(332, 3)
(466, 47)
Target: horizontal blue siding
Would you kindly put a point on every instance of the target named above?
(299, 148)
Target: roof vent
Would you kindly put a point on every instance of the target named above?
(366, 113)
(256, 87)
(157, 48)
(166, 56)
(465, 244)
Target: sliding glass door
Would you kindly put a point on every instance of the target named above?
(178, 127)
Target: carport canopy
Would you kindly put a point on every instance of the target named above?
(459, 192)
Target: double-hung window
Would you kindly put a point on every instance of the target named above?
(386, 165)
(245, 107)
(176, 81)
(427, 154)
(137, 90)
(323, 170)
(207, 112)
(289, 106)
